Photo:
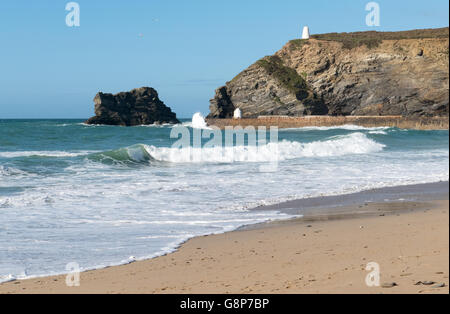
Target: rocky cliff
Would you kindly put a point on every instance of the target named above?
(365, 73)
(138, 107)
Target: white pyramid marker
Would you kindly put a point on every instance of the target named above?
(305, 34)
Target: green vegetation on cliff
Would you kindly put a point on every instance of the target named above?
(293, 82)
(298, 43)
(372, 39)
(286, 76)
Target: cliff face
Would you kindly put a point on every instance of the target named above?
(371, 73)
(138, 107)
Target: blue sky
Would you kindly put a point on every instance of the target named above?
(183, 48)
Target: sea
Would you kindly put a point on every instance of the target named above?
(97, 196)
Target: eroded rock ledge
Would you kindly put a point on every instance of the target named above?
(359, 74)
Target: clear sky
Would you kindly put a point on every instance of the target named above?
(185, 49)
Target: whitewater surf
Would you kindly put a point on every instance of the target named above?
(96, 195)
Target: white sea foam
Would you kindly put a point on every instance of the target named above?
(198, 121)
(378, 132)
(10, 171)
(157, 125)
(7, 278)
(17, 154)
(355, 143)
(98, 214)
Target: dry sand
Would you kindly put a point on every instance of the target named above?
(318, 254)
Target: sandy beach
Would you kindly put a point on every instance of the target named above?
(229, 157)
(326, 252)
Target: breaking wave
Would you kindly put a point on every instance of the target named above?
(198, 122)
(128, 155)
(355, 143)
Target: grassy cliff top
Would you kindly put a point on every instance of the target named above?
(372, 38)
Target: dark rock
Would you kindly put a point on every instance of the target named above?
(141, 106)
(425, 283)
(389, 285)
(221, 105)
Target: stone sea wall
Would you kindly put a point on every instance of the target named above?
(418, 123)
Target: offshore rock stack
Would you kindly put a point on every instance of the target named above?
(141, 106)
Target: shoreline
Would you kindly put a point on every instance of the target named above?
(284, 122)
(310, 206)
(396, 193)
(350, 207)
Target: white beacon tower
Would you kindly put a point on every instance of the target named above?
(305, 34)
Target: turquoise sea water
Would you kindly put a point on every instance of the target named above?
(97, 195)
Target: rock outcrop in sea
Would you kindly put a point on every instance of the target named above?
(360, 74)
(141, 106)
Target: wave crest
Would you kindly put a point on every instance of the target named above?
(355, 143)
(128, 155)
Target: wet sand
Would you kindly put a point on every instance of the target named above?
(326, 251)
